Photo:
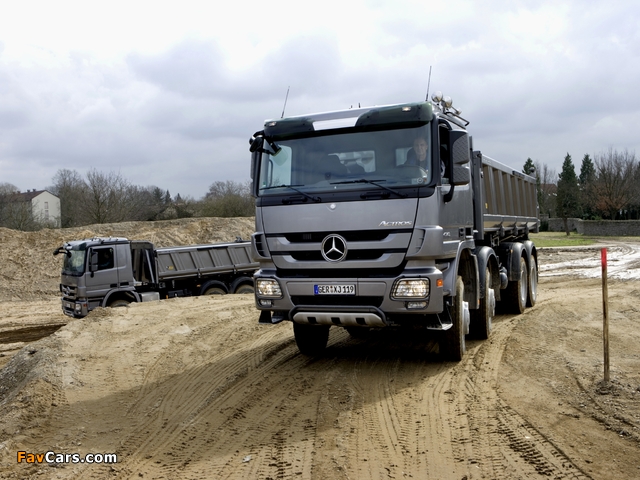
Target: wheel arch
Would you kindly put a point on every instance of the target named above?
(113, 295)
(466, 265)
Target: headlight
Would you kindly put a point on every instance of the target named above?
(410, 288)
(268, 287)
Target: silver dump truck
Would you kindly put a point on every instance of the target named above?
(387, 217)
(111, 272)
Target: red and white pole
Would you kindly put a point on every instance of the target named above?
(605, 313)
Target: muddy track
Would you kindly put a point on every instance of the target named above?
(28, 334)
(216, 402)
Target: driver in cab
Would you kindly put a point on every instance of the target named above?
(418, 154)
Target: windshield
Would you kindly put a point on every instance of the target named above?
(348, 161)
(74, 264)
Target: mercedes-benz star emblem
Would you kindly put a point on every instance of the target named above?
(334, 248)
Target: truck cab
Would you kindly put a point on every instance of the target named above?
(98, 272)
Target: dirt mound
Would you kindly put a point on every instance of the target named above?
(30, 271)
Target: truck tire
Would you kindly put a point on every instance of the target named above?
(481, 319)
(119, 303)
(214, 291)
(454, 345)
(517, 290)
(244, 289)
(533, 282)
(311, 339)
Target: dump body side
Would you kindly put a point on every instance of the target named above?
(204, 260)
(506, 200)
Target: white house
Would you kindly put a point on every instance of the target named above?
(45, 206)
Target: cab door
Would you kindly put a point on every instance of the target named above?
(103, 274)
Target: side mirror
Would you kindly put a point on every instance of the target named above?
(459, 147)
(256, 144)
(461, 175)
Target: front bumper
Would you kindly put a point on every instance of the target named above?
(75, 308)
(372, 305)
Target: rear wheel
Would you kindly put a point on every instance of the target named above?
(245, 289)
(533, 282)
(311, 339)
(517, 290)
(481, 319)
(454, 344)
(214, 291)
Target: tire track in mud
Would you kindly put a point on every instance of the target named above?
(505, 445)
(248, 405)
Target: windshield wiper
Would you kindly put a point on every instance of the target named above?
(293, 187)
(372, 182)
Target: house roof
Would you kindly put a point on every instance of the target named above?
(30, 195)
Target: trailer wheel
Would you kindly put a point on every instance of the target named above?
(119, 303)
(517, 290)
(481, 319)
(214, 291)
(454, 345)
(311, 339)
(245, 289)
(533, 282)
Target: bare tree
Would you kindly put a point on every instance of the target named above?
(71, 189)
(228, 199)
(109, 198)
(16, 212)
(616, 187)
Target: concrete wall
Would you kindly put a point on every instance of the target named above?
(609, 228)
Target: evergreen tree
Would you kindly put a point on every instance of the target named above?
(528, 167)
(587, 179)
(568, 199)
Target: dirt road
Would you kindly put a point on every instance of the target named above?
(195, 388)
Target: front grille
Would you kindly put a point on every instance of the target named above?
(342, 300)
(316, 255)
(69, 291)
(350, 236)
(341, 272)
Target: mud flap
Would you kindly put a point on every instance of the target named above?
(266, 318)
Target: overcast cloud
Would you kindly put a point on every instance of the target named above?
(168, 93)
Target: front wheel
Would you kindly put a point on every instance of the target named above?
(454, 345)
(311, 339)
(119, 303)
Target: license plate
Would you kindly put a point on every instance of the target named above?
(348, 289)
(69, 305)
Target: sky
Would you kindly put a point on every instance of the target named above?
(168, 93)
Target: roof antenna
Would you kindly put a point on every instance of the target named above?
(285, 101)
(428, 85)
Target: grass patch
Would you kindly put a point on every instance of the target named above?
(560, 239)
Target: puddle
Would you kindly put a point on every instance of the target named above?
(623, 262)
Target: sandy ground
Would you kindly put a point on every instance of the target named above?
(195, 388)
